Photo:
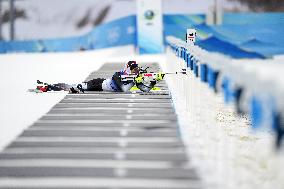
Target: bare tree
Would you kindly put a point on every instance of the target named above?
(264, 5)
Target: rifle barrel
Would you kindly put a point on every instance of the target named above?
(175, 73)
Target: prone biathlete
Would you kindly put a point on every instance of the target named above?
(116, 83)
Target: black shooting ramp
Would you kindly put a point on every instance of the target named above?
(102, 140)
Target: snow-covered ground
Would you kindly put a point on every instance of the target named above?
(221, 144)
(19, 72)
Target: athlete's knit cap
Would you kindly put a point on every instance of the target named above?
(132, 64)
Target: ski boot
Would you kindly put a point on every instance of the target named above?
(80, 88)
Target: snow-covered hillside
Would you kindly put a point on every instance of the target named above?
(54, 19)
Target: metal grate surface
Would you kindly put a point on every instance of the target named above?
(101, 140)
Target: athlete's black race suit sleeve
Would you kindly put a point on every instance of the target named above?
(125, 86)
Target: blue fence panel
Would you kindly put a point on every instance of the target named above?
(20, 46)
(203, 72)
(216, 45)
(176, 24)
(62, 45)
(263, 31)
(116, 33)
(242, 35)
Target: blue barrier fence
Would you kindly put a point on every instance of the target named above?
(242, 35)
(116, 33)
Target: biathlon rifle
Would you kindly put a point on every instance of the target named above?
(148, 75)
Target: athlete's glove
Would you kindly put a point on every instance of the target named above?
(139, 79)
(160, 76)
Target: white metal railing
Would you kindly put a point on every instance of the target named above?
(261, 80)
(242, 94)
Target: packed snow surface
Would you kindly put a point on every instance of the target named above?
(221, 145)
